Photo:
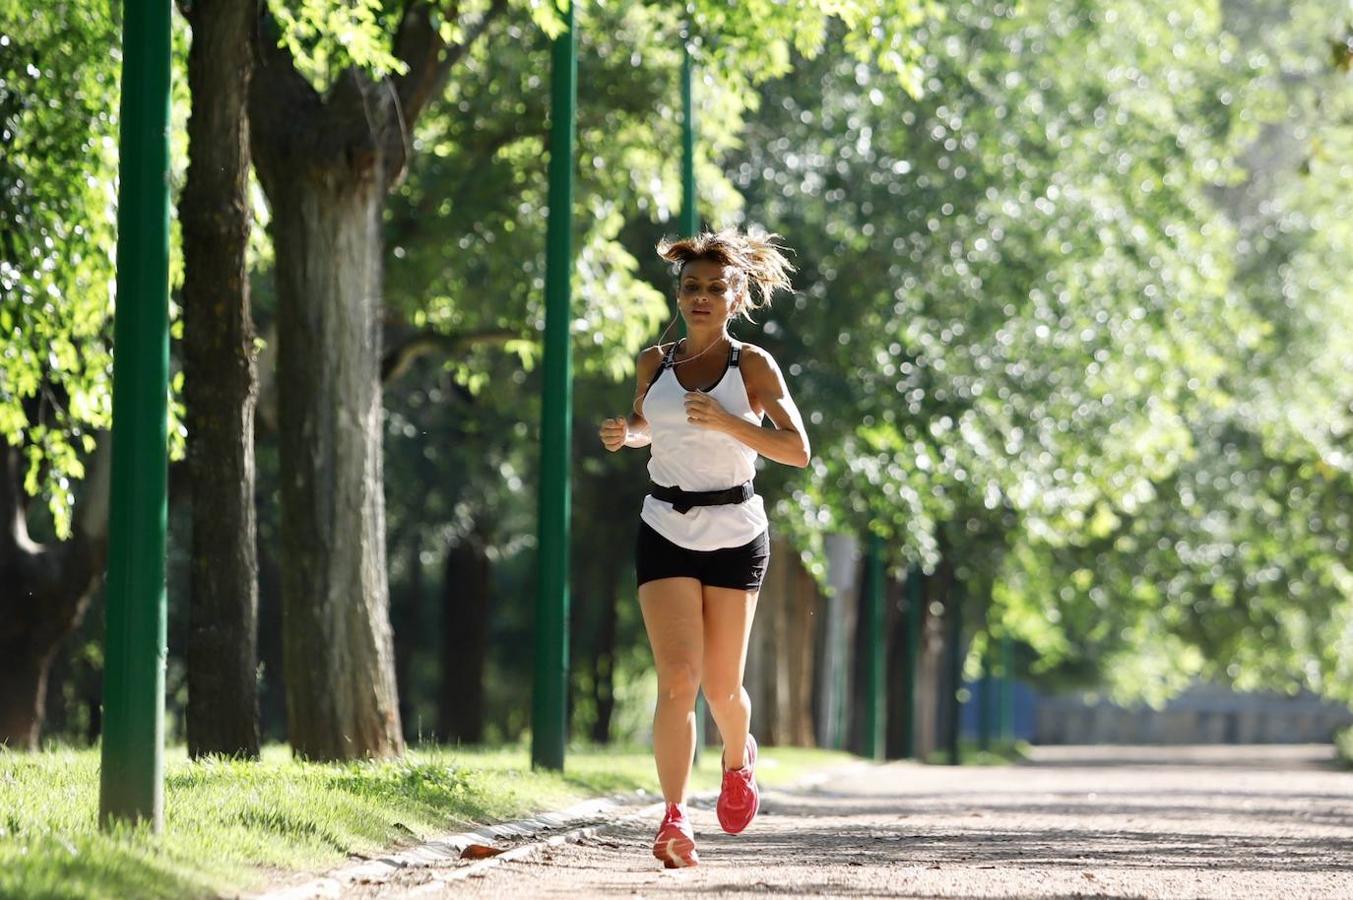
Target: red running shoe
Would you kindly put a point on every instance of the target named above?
(739, 799)
(675, 843)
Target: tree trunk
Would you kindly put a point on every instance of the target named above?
(338, 654)
(220, 388)
(603, 660)
(272, 695)
(44, 592)
(325, 181)
(953, 680)
(23, 690)
(767, 675)
(408, 627)
(834, 681)
(931, 674)
(780, 655)
(803, 608)
(465, 638)
(326, 164)
(859, 656)
(340, 676)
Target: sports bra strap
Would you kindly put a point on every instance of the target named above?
(668, 359)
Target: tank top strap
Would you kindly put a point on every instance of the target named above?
(733, 355)
(668, 359)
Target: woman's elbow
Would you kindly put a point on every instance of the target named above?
(804, 456)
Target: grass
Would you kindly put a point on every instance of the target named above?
(1343, 745)
(230, 826)
(1000, 753)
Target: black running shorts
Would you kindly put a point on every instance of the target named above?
(740, 568)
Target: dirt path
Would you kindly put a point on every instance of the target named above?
(1239, 822)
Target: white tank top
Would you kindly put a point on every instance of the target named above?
(698, 459)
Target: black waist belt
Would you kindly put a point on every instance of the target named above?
(682, 501)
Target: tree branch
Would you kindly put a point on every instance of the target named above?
(484, 152)
(423, 343)
(428, 58)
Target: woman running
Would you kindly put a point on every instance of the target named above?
(703, 543)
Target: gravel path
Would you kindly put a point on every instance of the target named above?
(1243, 822)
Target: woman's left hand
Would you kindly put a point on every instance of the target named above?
(703, 411)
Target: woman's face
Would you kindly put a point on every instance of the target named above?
(706, 294)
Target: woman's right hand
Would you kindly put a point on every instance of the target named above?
(613, 433)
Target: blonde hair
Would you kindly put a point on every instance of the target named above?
(758, 260)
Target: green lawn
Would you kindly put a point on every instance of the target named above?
(1000, 753)
(230, 826)
(1343, 745)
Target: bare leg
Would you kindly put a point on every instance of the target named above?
(672, 615)
(728, 626)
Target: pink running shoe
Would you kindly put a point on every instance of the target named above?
(675, 843)
(739, 799)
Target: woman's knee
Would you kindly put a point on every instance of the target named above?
(678, 683)
(723, 694)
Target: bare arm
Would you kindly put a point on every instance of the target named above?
(787, 442)
(632, 430)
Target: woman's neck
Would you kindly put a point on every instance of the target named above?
(698, 342)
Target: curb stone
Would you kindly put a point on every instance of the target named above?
(446, 848)
(588, 817)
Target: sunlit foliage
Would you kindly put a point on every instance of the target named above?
(1065, 309)
(58, 162)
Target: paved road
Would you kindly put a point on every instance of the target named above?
(1076, 822)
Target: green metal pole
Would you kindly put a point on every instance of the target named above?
(911, 653)
(690, 211)
(874, 709)
(689, 223)
(132, 771)
(549, 715)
